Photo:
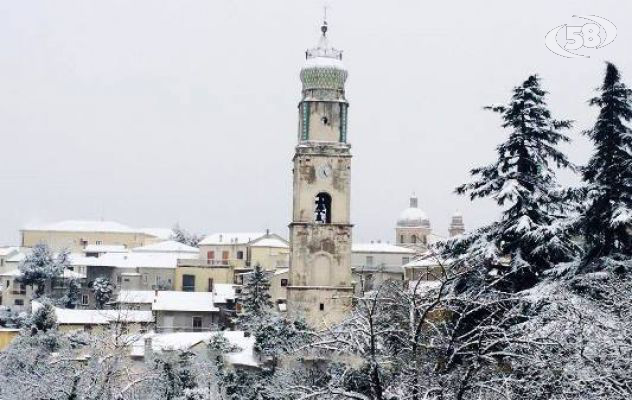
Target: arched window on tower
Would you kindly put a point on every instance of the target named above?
(322, 211)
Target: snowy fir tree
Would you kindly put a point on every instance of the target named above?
(41, 266)
(255, 298)
(43, 318)
(175, 371)
(72, 295)
(103, 290)
(185, 237)
(607, 218)
(531, 233)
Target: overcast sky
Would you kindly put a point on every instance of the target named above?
(153, 112)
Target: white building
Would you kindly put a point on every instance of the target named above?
(375, 263)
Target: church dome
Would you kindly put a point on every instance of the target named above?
(323, 67)
(413, 216)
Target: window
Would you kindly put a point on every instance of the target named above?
(225, 255)
(1, 262)
(119, 279)
(188, 283)
(197, 322)
(401, 238)
(322, 212)
(322, 307)
(283, 282)
(369, 261)
(413, 239)
(405, 260)
(210, 255)
(146, 278)
(8, 283)
(240, 255)
(210, 284)
(85, 300)
(99, 242)
(18, 302)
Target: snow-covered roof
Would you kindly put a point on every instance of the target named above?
(136, 296)
(132, 260)
(160, 233)
(426, 261)
(270, 241)
(68, 274)
(184, 301)
(105, 248)
(82, 226)
(280, 271)
(167, 246)
(231, 238)
(16, 257)
(127, 315)
(222, 292)
(8, 251)
(100, 317)
(380, 248)
(244, 355)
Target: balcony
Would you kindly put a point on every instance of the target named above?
(212, 263)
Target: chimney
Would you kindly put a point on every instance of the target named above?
(221, 237)
(267, 232)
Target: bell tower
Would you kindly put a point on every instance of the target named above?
(319, 287)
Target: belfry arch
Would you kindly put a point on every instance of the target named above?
(322, 208)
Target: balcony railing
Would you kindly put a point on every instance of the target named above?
(171, 329)
(219, 263)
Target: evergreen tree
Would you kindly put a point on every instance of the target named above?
(72, 295)
(175, 373)
(183, 236)
(531, 232)
(102, 291)
(43, 318)
(255, 297)
(607, 219)
(41, 266)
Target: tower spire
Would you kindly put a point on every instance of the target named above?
(323, 27)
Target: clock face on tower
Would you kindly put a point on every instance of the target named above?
(324, 171)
